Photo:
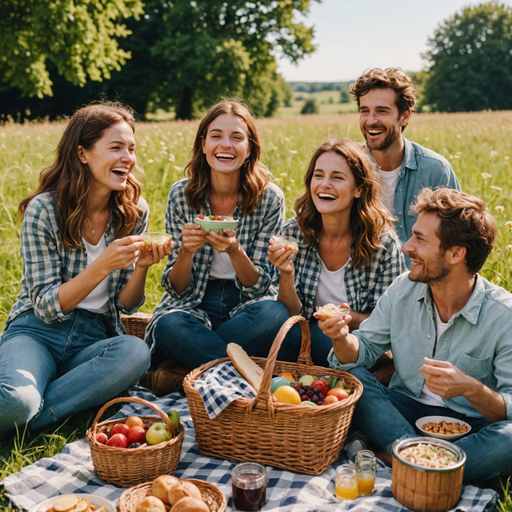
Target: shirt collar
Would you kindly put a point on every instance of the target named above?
(470, 311)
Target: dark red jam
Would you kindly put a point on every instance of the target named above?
(249, 499)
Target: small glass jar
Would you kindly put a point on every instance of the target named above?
(366, 465)
(249, 486)
(346, 482)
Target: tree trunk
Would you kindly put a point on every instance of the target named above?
(184, 110)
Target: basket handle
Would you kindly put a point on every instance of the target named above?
(263, 396)
(160, 413)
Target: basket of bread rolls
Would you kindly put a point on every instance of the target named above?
(289, 436)
(182, 495)
(126, 464)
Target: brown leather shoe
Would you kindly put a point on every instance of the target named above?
(168, 377)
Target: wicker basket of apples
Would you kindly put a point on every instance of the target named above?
(131, 451)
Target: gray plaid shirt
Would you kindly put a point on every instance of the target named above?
(47, 263)
(364, 284)
(253, 232)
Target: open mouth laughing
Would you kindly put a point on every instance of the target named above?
(326, 197)
(122, 173)
(224, 157)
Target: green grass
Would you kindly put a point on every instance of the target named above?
(323, 99)
(478, 145)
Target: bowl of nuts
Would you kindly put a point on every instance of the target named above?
(443, 427)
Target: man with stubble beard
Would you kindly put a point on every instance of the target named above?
(386, 100)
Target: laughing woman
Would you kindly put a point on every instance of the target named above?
(211, 281)
(64, 348)
(347, 251)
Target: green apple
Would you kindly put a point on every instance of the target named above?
(307, 380)
(157, 433)
(174, 416)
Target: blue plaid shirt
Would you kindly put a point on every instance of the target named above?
(47, 263)
(253, 232)
(364, 284)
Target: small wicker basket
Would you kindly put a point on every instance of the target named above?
(210, 493)
(136, 324)
(126, 467)
(303, 439)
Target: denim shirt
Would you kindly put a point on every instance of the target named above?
(478, 340)
(421, 168)
(47, 263)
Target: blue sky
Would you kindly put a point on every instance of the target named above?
(353, 35)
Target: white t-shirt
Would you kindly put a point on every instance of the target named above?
(331, 286)
(221, 266)
(388, 181)
(97, 300)
(427, 397)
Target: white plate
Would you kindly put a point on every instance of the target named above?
(438, 419)
(97, 501)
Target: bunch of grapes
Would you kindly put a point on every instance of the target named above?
(309, 393)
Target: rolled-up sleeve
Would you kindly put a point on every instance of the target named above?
(42, 262)
(271, 224)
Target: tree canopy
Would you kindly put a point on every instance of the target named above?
(470, 60)
(78, 38)
(185, 54)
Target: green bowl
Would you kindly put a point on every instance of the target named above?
(217, 226)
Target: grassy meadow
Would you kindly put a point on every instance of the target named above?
(478, 145)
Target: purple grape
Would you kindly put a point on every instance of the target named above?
(321, 396)
(314, 399)
(304, 398)
(309, 393)
(134, 445)
(301, 392)
(320, 402)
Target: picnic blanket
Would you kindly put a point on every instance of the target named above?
(71, 471)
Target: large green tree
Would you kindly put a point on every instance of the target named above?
(470, 60)
(78, 39)
(206, 49)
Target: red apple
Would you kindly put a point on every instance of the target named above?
(137, 435)
(120, 428)
(101, 437)
(118, 441)
(157, 433)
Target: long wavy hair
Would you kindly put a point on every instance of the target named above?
(368, 216)
(68, 180)
(254, 176)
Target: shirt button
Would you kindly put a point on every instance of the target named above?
(428, 336)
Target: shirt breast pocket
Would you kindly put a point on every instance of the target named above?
(480, 369)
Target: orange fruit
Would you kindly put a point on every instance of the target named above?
(287, 395)
(134, 421)
(339, 393)
(288, 376)
(330, 399)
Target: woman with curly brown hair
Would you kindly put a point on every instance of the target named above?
(347, 251)
(64, 348)
(212, 281)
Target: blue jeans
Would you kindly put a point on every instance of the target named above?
(321, 345)
(386, 415)
(48, 371)
(182, 337)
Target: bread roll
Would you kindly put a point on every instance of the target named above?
(161, 486)
(182, 490)
(150, 504)
(245, 365)
(190, 505)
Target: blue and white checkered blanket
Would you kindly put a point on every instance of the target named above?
(71, 471)
(220, 386)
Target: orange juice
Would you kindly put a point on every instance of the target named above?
(365, 486)
(345, 492)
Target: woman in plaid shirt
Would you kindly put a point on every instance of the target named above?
(212, 282)
(347, 251)
(64, 348)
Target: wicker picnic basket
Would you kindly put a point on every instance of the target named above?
(126, 467)
(303, 439)
(136, 324)
(210, 494)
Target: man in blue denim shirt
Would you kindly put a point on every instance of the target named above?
(451, 335)
(386, 101)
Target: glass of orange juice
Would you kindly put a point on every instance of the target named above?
(366, 464)
(346, 482)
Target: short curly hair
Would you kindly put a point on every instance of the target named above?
(392, 78)
(465, 222)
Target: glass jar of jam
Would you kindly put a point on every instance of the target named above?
(249, 486)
